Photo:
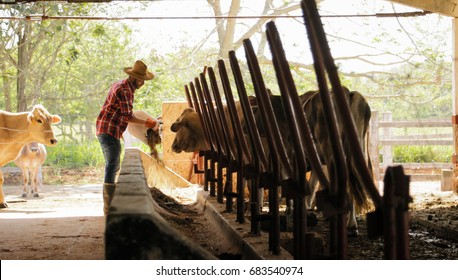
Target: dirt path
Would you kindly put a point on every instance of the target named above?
(65, 222)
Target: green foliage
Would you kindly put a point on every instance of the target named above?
(70, 155)
(422, 154)
(74, 62)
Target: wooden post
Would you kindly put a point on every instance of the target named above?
(374, 146)
(447, 179)
(455, 103)
(180, 163)
(387, 151)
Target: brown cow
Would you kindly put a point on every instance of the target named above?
(18, 129)
(30, 160)
(313, 110)
(191, 138)
(189, 135)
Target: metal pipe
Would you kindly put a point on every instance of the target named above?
(356, 154)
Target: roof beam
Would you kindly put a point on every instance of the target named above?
(443, 7)
(69, 1)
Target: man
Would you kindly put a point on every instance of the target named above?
(116, 113)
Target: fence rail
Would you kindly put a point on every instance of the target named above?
(383, 140)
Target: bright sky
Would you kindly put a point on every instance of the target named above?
(169, 34)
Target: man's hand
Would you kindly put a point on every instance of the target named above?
(154, 124)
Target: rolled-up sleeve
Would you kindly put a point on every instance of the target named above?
(126, 104)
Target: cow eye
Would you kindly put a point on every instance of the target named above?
(39, 121)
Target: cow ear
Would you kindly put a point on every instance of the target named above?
(176, 126)
(30, 117)
(56, 119)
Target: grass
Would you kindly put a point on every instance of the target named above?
(68, 155)
(422, 154)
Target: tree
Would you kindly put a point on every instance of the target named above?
(60, 62)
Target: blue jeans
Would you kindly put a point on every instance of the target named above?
(111, 148)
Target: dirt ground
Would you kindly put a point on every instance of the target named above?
(66, 222)
(433, 230)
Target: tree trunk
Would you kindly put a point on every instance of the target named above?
(6, 87)
(228, 39)
(22, 69)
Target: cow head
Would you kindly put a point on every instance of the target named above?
(189, 133)
(39, 125)
(33, 147)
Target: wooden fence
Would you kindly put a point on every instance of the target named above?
(383, 139)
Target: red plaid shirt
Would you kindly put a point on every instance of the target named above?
(117, 110)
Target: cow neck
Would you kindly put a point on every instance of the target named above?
(15, 128)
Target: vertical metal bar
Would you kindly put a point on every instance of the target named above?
(254, 136)
(213, 140)
(259, 158)
(244, 156)
(188, 96)
(222, 143)
(208, 154)
(300, 220)
(231, 153)
(233, 112)
(389, 221)
(276, 141)
(282, 167)
(311, 12)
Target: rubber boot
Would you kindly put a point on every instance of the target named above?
(108, 193)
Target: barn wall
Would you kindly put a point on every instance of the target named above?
(180, 163)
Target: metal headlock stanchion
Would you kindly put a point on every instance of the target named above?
(231, 156)
(323, 60)
(243, 154)
(215, 148)
(302, 142)
(199, 156)
(208, 153)
(281, 165)
(204, 95)
(259, 159)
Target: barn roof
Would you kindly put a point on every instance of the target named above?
(444, 7)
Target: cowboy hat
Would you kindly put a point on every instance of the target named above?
(139, 71)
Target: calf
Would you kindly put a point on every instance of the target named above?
(30, 159)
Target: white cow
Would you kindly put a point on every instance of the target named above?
(30, 160)
(18, 129)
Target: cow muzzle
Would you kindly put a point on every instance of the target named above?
(176, 148)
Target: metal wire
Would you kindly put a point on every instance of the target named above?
(21, 130)
(45, 17)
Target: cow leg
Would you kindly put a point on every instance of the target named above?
(289, 211)
(34, 182)
(352, 226)
(3, 203)
(314, 186)
(25, 181)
